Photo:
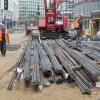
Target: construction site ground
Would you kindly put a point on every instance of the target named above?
(64, 91)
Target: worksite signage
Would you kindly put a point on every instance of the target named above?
(5, 4)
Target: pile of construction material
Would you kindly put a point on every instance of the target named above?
(90, 49)
(56, 61)
(13, 47)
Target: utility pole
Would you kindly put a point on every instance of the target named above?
(1, 15)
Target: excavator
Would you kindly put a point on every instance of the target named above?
(53, 22)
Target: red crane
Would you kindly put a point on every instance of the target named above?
(51, 21)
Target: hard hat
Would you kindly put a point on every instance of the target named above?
(81, 14)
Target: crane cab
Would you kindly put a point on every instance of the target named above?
(52, 22)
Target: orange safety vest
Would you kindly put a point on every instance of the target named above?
(6, 36)
(76, 23)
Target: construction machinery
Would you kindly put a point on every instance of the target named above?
(53, 21)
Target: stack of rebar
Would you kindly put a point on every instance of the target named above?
(12, 47)
(64, 60)
(82, 60)
(36, 74)
(88, 45)
(45, 61)
(17, 73)
(56, 61)
(84, 48)
(56, 64)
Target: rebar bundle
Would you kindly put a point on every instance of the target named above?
(57, 61)
(83, 60)
(36, 77)
(64, 61)
(44, 61)
(56, 65)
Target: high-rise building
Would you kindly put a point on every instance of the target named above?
(66, 8)
(69, 8)
(77, 1)
(28, 8)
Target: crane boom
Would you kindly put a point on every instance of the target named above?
(57, 3)
(47, 2)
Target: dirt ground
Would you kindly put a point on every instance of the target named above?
(20, 92)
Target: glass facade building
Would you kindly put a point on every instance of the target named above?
(28, 8)
(66, 8)
(86, 7)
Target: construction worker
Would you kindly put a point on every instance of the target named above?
(78, 25)
(4, 38)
